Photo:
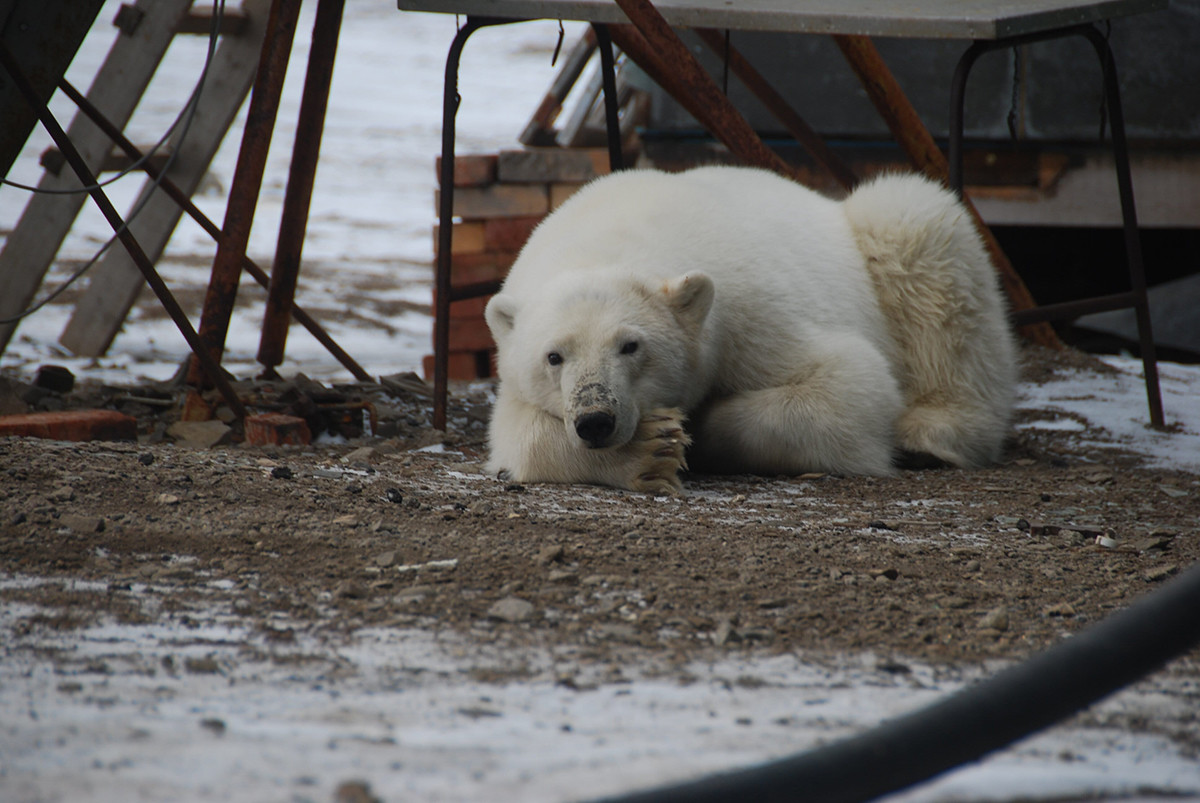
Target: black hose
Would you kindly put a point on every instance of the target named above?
(1017, 702)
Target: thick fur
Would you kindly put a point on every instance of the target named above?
(794, 333)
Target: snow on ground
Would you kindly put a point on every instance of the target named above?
(402, 707)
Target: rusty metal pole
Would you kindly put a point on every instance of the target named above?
(185, 203)
(243, 194)
(726, 123)
(775, 103)
(910, 133)
(306, 151)
(205, 359)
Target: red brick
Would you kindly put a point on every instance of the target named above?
(551, 164)
(472, 170)
(474, 268)
(561, 191)
(468, 238)
(470, 334)
(498, 200)
(71, 425)
(467, 307)
(276, 428)
(462, 365)
(509, 234)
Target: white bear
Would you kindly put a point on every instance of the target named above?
(793, 333)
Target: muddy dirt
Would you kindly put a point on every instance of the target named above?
(944, 566)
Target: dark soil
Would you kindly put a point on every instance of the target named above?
(938, 565)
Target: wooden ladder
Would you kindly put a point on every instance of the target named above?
(145, 31)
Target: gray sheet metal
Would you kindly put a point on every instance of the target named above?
(930, 19)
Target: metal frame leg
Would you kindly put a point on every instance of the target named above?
(1136, 297)
(612, 104)
(444, 293)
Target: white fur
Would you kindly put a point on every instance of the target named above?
(795, 332)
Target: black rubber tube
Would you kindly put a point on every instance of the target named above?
(968, 725)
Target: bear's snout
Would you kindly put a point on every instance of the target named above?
(595, 428)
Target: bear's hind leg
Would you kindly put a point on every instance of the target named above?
(838, 416)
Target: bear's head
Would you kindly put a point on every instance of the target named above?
(600, 356)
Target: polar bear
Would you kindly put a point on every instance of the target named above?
(732, 320)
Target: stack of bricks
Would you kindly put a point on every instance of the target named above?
(498, 200)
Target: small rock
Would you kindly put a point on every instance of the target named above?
(82, 524)
(63, 493)
(995, 619)
(281, 473)
(215, 726)
(200, 434)
(167, 499)
(363, 454)
(350, 590)
(146, 458)
(1157, 573)
(887, 574)
(511, 609)
(563, 576)
(202, 666)
(1063, 609)
(724, 633)
(972, 566)
(1071, 538)
(1172, 491)
(346, 521)
(550, 554)
(773, 603)
(618, 632)
(479, 507)
(955, 603)
(394, 495)
(880, 524)
(354, 792)
(1155, 543)
(385, 559)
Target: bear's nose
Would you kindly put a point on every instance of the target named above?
(595, 428)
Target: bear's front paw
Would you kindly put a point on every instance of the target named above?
(660, 444)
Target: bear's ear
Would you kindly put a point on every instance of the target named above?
(500, 313)
(690, 297)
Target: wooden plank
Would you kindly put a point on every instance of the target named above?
(119, 83)
(115, 282)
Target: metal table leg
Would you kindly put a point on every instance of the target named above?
(444, 294)
(1136, 297)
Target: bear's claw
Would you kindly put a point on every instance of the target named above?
(660, 452)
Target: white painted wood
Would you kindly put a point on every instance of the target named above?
(932, 19)
(116, 90)
(115, 282)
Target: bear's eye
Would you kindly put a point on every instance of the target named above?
(630, 347)
(554, 358)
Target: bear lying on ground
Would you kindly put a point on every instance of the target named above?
(734, 321)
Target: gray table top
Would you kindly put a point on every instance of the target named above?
(934, 19)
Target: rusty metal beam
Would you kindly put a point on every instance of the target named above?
(306, 151)
(247, 181)
(775, 103)
(722, 119)
(910, 133)
(180, 197)
(205, 359)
